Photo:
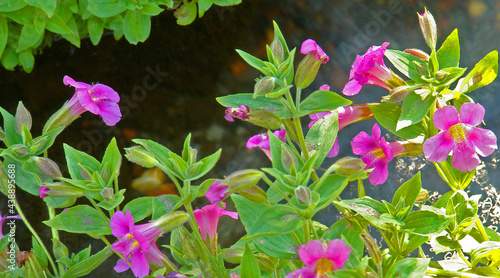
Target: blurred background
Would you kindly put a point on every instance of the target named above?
(168, 87)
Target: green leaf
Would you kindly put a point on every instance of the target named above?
(226, 2)
(9, 127)
(87, 265)
(254, 62)
(483, 73)
(415, 107)
(425, 222)
(139, 208)
(248, 211)
(81, 219)
(136, 26)
(329, 190)
(95, 26)
(163, 204)
(113, 159)
(489, 250)
(9, 58)
(277, 219)
(12, 5)
(203, 6)
(407, 193)
(273, 105)
(249, 266)
(278, 246)
(113, 203)
(404, 62)
(206, 164)
(371, 210)
(186, 14)
(151, 9)
(321, 136)
(48, 6)
(408, 268)
(57, 25)
(4, 33)
(321, 101)
(387, 115)
(29, 37)
(448, 54)
(27, 60)
(106, 8)
(75, 157)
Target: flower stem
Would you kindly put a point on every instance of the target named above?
(461, 254)
(271, 184)
(481, 229)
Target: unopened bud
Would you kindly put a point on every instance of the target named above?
(303, 195)
(188, 244)
(85, 172)
(172, 220)
(423, 196)
(108, 194)
(265, 262)
(418, 53)
(441, 75)
(38, 145)
(19, 149)
(307, 71)
(277, 50)
(242, 179)
(192, 155)
(428, 27)
(264, 118)
(232, 255)
(22, 118)
(139, 155)
(411, 149)
(48, 167)
(349, 166)
(289, 160)
(372, 247)
(263, 86)
(59, 189)
(422, 69)
(254, 194)
(398, 94)
(62, 118)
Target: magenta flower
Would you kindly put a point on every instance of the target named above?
(136, 244)
(347, 115)
(369, 69)
(98, 99)
(320, 260)
(262, 141)
(461, 136)
(11, 223)
(42, 191)
(310, 46)
(240, 112)
(324, 87)
(208, 217)
(216, 193)
(376, 153)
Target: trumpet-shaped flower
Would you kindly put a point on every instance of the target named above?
(376, 153)
(11, 223)
(262, 141)
(208, 217)
(98, 99)
(347, 115)
(369, 69)
(310, 46)
(136, 244)
(460, 136)
(42, 191)
(320, 260)
(216, 193)
(240, 112)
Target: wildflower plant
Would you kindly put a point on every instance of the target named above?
(277, 203)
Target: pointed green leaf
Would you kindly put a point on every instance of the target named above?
(408, 192)
(449, 54)
(483, 73)
(404, 62)
(321, 137)
(75, 157)
(4, 33)
(203, 6)
(12, 5)
(321, 101)
(249, 266)
(277, 219)
(426, 222)
(415, 107)
(408, 268)
(387, 115)
(48, 6)
(95, 26)
(106, 8)
(272, 105)
(254, 62)
(87, 265)
(81, 219)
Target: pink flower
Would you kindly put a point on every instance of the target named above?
(376, 153)
(10, 224)
(320, 260)
(240, 112)
(136, 244)
(262, 141)
(347, 115)
(98, 99)
(324, 87)
(216, 193)
(208, 217)
(310, 46)
(42, 191)
(369, 69)
(461, 136)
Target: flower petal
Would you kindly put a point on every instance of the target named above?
(139, 264)
(445, 117)
(337, 252)
(483, 140)
(110, 113)
(438, 147)
(352, 88)
(312, 251)
(121, 266)
(379, 174)
(464, 157)
(87, 102)
(335, 149)
(363, 143)
(105, 92)
(472, 113)
(121, 224)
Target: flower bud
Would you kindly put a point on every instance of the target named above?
(441, 75)
(172, 220)
(38, 145)
(22, 118)
(59, 249)
(289, 160)
(398, 94)
(422, 69)
(265, 262)
(372, 247)
(303, 195)
(428, 27)
(59, 189)
(277, 50)
(108, 194)
(242, 179)
(349, 166)
(263, 86)
(85, 174)
(418, 53)
(139, 155)
(254, 194)
(307, 71)
(19, 149)
(48, 167)
(192, 155)
(423, 196)
(411, 149)
(264, 118)
(240, 112)
(233, 256)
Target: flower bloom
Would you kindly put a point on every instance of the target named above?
(376, 153)
(10, 224)
(310, 46)
(320, 260)
(347, 115)
(240, 112)
(216, 193)
(461, 135)
(98, 99)
(42, 191)
(136, 244)
(208, 217)
(369, 69)
(262, 141)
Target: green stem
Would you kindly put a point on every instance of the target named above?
(297, 98)
(307, 234)
(481, 229)
(389, 244)
(314, 230)
(461, 254)
(97, 208)
(35, 235)
(271, 184)
(449, 273)
(52, 214)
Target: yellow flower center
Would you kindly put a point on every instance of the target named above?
(458, 132)
(135, 243)
(378, 153)
(324, 266)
